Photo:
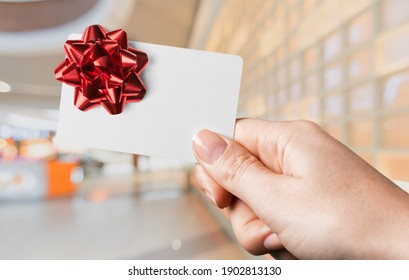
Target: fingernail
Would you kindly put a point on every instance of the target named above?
(271, 242)
(210, 197)
(208, 146)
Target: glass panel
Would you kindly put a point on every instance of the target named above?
(271, 102)
(396, 90)
(295, 91)
(395, 131)
(295, 68)
(270, 61)
(332, 45)
(282, 75)
(361, 133)
(281, 53)
(282, 97)
(293, 44)
(360, 29)
(310, 108)
(394, 12)
(395, 166)
(359, 65)
(267, 40)
(271, 83)
(293, 18)
(394, 48)
(362, 98)
(312, 84)
(333, 76)
(311, 57)
(333, 105)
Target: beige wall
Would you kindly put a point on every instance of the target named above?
(341, 63)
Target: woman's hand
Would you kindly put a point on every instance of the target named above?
(294, 191)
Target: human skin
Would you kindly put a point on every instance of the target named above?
(295, 192)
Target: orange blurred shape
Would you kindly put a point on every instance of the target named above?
(59, 176)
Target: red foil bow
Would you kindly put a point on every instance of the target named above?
(103, 69)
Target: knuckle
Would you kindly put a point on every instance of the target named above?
(306, 125)
(235, 165)
(302, 127)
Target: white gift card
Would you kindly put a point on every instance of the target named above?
(187, 90)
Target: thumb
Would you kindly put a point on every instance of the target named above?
(234, 168)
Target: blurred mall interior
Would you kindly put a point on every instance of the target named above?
(341, 63)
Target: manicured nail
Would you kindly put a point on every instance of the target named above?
(208, 146)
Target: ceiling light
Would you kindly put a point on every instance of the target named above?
(4, 87)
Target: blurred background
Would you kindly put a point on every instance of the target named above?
(341, 63)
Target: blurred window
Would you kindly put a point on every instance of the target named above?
(360, 29)
(361, 133)
(395, 131)
(312, 84)
(333, 76)
(341, 63)
(332, 45)
(394, 12)
(282, 75)
(311, 57)
(362, 98)
(295, 68)
(333, 105)
(396, 90)
(359, 64)
(295, 91)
